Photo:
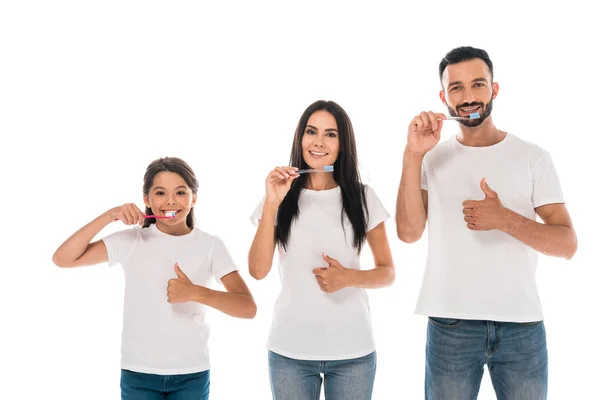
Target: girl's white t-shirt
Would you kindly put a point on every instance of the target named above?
(160, 337)
(308, 323)
(483, 275)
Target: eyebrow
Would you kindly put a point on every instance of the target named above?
(474, 80)
(326, 130)
(178, 187)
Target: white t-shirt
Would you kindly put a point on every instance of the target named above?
(159, 337)
(484, 275)
(308, 323)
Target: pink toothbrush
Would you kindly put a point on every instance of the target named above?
(169, 215)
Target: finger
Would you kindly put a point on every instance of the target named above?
(470, 220)
(129, 215)
(433, 121)
(418, 122)
(469, 211)
(425, 118)
(469, 203)
(441, 116)
(472, 227)
(319, 271)
(275, 176)
(288, 183)
(140, 215)
(291, 170)
(283, 172)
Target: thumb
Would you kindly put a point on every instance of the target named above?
(489, 193)
(288, 183)
(328, 259)
(179, 272)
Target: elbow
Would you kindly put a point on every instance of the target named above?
(59, 262)
(408, 236)
(251, 310)
(258, 271)
(391, 277)
(571, 250)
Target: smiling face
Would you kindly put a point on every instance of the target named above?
(170, 193)
(320, 140)
(468, 88)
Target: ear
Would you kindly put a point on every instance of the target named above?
(495, 89)
(194, 198)
(443, 97)
(147, 201)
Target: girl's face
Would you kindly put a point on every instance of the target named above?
(170, 192)
(320, 141)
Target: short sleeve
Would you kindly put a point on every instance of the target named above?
(255, 217)
(257, 214)
(546, 185)
(377, 212)
(120, 244)
(423, 177)
(221, 262)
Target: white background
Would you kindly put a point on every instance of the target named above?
(91, 92)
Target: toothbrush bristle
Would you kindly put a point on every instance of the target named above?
(170, 214)
(474, 115)
(328, 168)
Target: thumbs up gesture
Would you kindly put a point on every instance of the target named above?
(181, 289)
(486, 214)
(331, 278)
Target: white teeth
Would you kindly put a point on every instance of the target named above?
(317, 153)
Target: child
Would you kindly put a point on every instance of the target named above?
(320, 221)
(168, 264)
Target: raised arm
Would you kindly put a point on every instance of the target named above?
(77, 251)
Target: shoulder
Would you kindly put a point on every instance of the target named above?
(524, 148)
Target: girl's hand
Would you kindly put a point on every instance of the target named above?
(128, 213)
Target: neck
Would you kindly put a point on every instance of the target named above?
(176, 230)
(321, 181)
(482, 135)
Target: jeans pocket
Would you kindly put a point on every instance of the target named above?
(445, 322)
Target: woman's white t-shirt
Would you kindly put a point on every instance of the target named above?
(160, 337)
(308, 323)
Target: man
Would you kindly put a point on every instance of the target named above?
(480, 191)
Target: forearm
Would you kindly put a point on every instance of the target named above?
(378, 277)
(551, 240)
(260, 256)
(410, 210)
(240, 305)
(76, 245)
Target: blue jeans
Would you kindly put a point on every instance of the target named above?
(140, 386)
(457, 350)
(293, 379)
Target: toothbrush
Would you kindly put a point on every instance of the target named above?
(471, 116)
(169, 215)
(327, 168)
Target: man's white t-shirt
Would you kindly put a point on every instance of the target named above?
(308, 323)
(483, 275)
(160, 337)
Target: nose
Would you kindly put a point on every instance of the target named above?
(171, 199)
(319, 141)
(469, 96)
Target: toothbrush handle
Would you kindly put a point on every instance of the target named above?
(304, 171)
(152, 217)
